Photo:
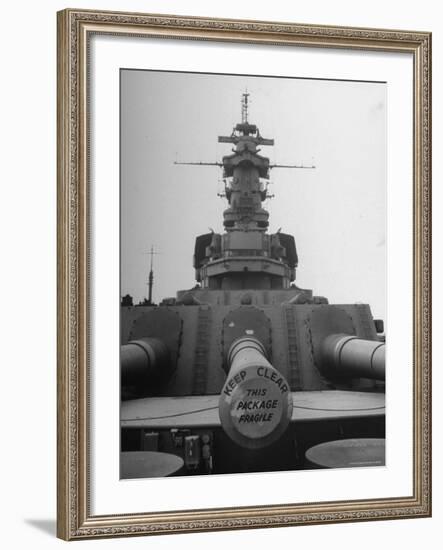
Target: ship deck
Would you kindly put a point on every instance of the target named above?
(202, 411)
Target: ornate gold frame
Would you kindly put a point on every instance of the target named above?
(74, 29)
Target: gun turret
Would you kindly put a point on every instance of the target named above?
(144, 361)
(352, 357)
(255, 404)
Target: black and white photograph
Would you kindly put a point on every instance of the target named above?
(252, 273)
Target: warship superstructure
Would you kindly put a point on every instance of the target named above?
(246, 371)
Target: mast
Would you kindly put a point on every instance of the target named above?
(244, 108)
(245, 256)
(151, 274)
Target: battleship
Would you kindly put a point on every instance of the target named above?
(246, 371)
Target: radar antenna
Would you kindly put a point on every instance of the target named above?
(246, 138)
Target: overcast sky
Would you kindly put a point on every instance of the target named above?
(337, 212)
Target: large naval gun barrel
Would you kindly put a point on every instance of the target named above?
(255, 404)
(143, 361)
(344, 355)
